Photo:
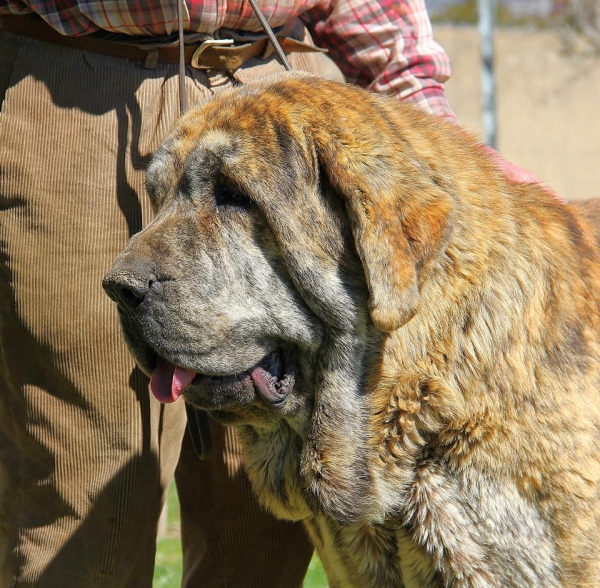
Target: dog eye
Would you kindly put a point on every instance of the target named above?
(230, 196)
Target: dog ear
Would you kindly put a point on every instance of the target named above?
(400, 219)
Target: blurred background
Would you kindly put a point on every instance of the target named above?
(546, 64)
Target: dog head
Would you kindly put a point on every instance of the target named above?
(294, 226)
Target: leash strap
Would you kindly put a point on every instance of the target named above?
(199, 430)
(198, 419)
(269, 31)
(182, 97)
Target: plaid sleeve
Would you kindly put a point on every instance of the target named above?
(385, 45)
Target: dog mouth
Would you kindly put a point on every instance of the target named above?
(272, 379)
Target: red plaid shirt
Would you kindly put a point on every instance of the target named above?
(385, 45)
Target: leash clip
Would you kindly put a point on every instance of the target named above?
(195, 61)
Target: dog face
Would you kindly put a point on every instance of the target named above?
(244, 265)
(284, 246)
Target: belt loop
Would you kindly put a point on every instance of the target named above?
(151, 59)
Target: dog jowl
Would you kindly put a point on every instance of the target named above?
(407, 343)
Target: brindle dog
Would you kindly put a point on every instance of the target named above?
(408, 344)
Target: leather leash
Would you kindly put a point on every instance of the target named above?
(198, 419)
(182, 97)
(271, 35)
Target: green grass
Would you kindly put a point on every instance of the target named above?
(167, 570)
(167, 565)
(315, 576)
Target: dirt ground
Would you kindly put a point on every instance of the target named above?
(548, 103)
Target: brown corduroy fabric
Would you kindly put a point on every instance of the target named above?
(86, 455)
(228, 539)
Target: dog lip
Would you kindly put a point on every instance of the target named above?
(273, 377)
(272, 380)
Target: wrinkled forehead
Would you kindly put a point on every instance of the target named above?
(248, 138)
(181, 156)
(212, 145)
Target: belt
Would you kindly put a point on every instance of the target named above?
(224, 54)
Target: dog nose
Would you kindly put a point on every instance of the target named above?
(126, 287)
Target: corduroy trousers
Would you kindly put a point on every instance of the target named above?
(86, 454)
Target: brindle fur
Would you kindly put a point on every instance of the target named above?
(444, 427)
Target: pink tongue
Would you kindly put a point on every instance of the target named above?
(168, 382)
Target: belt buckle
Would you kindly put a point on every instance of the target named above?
(194, 62)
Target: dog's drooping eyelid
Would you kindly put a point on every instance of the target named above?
(226, 193)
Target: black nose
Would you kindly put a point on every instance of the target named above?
(127, 287)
